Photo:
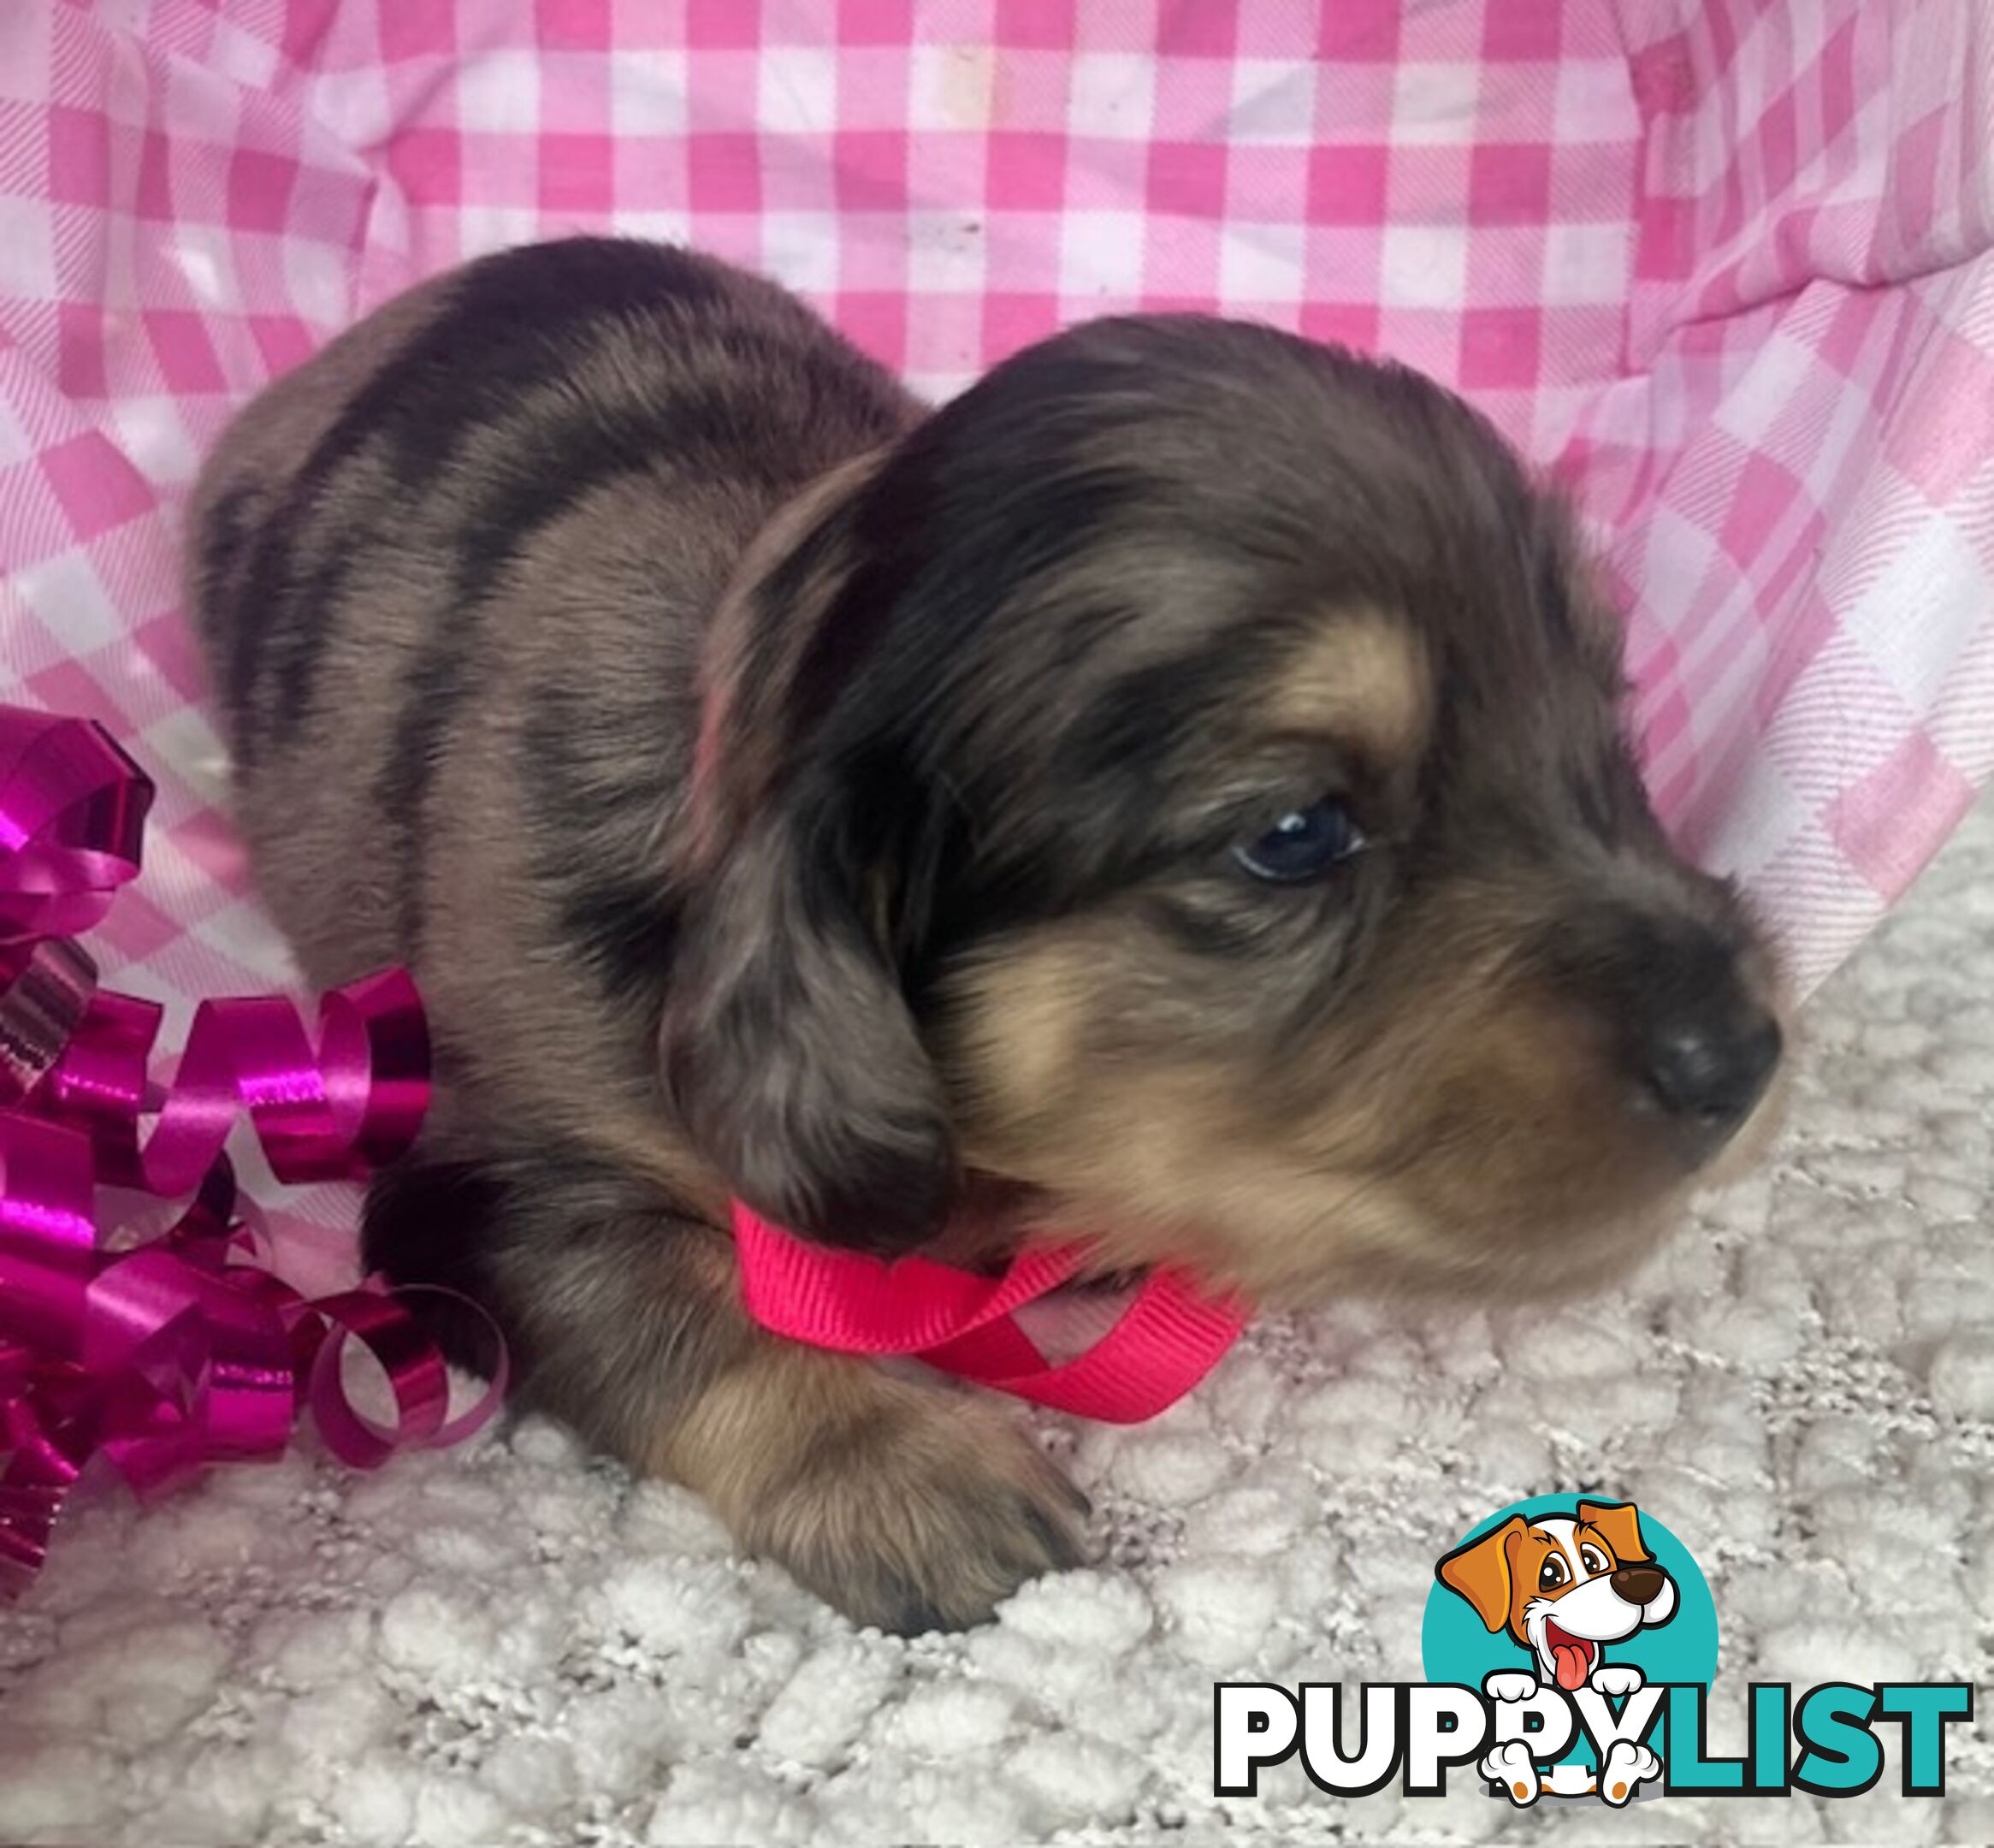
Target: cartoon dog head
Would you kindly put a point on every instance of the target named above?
(1564, 1586)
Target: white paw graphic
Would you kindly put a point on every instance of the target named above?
(1614, 1679)
(1626, 1767)
(1509, 1765)
(1507, 1685)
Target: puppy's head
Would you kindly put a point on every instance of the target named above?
(1564, 1586)
(1186, 776)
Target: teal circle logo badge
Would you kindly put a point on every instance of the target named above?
(1570, 1642)
(1562, 1600)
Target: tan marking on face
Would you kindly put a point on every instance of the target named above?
(1364, 680)
(1020, 1023)
(1455, 1144)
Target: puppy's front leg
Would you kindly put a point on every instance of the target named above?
(902, 1505)
(1614, 1679)
(1626, 1768)
(1511, 1765)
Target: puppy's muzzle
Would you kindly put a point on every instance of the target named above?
(1701, 1045)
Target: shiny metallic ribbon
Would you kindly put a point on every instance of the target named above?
(164, 1356)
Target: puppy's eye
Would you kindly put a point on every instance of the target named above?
(1303, 844)
(1594, 1561)
(1553, 1574)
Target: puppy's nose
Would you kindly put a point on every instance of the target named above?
(1711, 1063)
(1638, 1585)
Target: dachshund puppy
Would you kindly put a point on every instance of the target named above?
(1173, 794)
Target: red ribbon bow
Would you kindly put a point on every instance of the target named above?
(163, 1356)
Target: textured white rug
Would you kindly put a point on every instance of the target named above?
(511, 1644)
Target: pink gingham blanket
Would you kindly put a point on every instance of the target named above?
(1725, 268)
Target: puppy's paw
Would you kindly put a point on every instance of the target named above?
(1626, 1767)
(1508, 1684)
(925, 1516)
(1509, 1765)
(1616, 1679)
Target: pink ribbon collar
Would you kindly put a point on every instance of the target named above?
(1165, 1341)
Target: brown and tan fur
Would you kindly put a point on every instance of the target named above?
(781, 792)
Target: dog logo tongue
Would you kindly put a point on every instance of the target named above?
(1570, 1654)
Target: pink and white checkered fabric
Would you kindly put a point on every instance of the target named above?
(1726, 267)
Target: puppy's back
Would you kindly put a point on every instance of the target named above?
(456, 567)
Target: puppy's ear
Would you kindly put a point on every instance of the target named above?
(1481, 1572)
(788, 1051)
(1621, 1525)
(788, 1048)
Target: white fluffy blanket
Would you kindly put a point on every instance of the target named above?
(511, 1643)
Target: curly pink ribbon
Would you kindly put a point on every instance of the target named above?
(165, 1357)
(1166, 1339)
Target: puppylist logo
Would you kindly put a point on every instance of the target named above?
(1569, 1646)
